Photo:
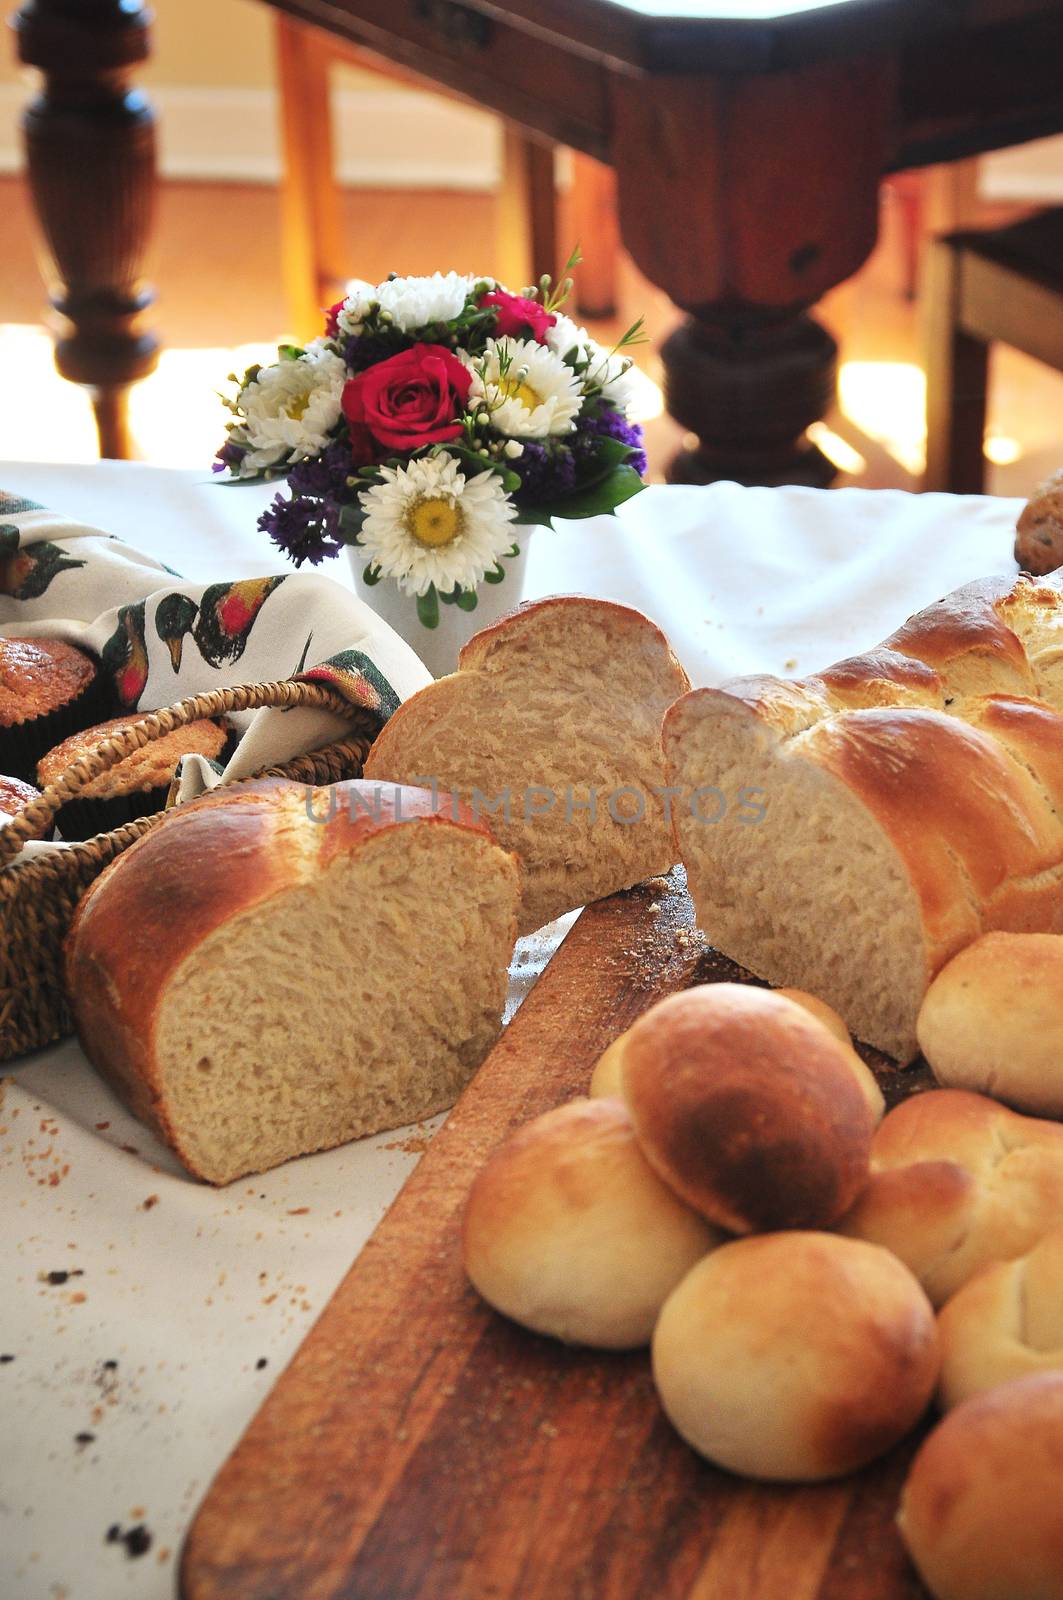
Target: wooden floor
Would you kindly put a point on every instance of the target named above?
(216, 266)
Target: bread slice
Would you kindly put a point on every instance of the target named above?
(276, 969)
(847, 834)
(554, 708)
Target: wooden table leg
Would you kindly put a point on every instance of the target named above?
(90, 144)
(746, 202)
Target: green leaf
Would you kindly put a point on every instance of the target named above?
(428, 609)
(594, 500)
(290, 352)
(448, 596)
(466, 599)
(371, 575)
(497, 574)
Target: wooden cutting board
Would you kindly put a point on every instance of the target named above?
(420, 1447)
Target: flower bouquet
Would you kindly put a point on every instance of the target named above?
(431, 418)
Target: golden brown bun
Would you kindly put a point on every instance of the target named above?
(748, 1108)
(795, 1356)
(569, 1231)
(957, 1183)
(992, 1021)
(1006, 1322)
(982, 1510)
(876, 1101)
(1039, 530)
(606, 1078)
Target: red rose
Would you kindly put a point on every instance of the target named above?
(519, 317)
(410, 400)
(332, 318)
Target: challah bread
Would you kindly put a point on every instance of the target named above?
(275, 969)
(878, 817)
(1006, 1322)
(747, 1107)
(1039, 530)
(568, 1230)
(795, 1356)
(981, 1513)
(957, 1183)
(558, 707)
(992, 1021)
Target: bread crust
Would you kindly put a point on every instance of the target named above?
(949, 736)
(202, 865)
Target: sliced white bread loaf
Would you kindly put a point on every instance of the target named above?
(258, 984)
(875, 819)
(551, 728)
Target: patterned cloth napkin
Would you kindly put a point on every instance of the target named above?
(161, 639)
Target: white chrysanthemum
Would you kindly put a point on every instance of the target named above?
(355, 308)
(416, 302)
(290, 409)
(607, 369)
(429, 524)
(529, 390)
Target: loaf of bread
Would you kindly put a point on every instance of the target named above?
(551, 728)
(795, 1356)
(982, 1513)
(275, 969)
(957, 1183)
(606, 1078)
(747, 1107)
(568, 1231)
(1039, 530)
(1006, 1322)
(851, 832)
(992, 1020)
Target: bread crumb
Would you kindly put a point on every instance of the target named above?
(788, 666)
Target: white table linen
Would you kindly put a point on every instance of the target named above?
(189, 1290)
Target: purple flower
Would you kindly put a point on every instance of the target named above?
(547, 473)
(306, 529)
(611, 424)
(230, 455)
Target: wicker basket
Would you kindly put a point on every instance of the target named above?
(37, 898)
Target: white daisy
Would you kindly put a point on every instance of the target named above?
(416, 302)
(355, 308)
(527, 387)
(610, 370)
(290, 409)
(429, 524)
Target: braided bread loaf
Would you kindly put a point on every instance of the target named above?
(848, 833)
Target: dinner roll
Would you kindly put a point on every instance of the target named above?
(747, 1107)
(605, 1079)
(982, 1512)
(876, 1101)
(795, 1356)
(1006, 1322)
(992, 1020)
(957, 1183)
(568, 1230)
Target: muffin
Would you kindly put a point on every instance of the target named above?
(15, 796)
(48, 689)
(135, 786)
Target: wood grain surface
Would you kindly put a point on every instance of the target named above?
(420, 1447)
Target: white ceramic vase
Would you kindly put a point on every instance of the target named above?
(438, 647)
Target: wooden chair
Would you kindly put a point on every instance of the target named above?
(1006, 284)
(314, 260)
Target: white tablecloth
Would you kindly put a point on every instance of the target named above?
(133, 1376)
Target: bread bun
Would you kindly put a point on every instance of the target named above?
(957, 1183)
(992, 1021)
(795, 1356)
(876, 1100)
(569, 1231)
(748, 1108)
(606, 1080)
(1006, 1322)
(1039, 530)
(982, 1513)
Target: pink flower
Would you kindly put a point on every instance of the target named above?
(332, 319)
(519, 317)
